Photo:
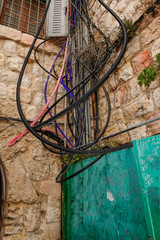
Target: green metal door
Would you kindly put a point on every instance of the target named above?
(111, 200)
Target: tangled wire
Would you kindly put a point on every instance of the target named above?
(84, 57)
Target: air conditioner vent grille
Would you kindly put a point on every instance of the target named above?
(57, 18)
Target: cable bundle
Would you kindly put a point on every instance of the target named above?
(80, 79)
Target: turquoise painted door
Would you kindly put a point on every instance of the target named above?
(108, 201)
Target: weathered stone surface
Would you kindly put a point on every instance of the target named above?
(14, 237)
(113, 82)
(39, 170)
(138, 107)
(121, 95)
(137, 133)
(8, 77)
(141, 61)
(10, 33)
(9, 230)
(156, 97)
(155, 48)
(38, 153)
(7, 109)
(32, 217)
(31, 113)
(53, 209)
(20, 187)
(154, 127)
(132, 48)
(26, 82)
(136, 90)
(10, 48)
(38, 99)
(12, 92)
(2, 60)
(26, 96)
(55, 168)
(15, 63)
(116, 117)
(32, 236)
(52, 231)
(151, 32)
(26, 39)
(49, 188)
(126, 72)
(3, 90)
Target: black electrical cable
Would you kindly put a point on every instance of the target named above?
(77, 103)
(125, 146)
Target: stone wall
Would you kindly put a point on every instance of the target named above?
(34, 199)
(130, 103)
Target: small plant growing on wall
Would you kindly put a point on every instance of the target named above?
(149, 74)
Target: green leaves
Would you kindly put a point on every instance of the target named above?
(158, 58)
(130, 27)
(148, 75)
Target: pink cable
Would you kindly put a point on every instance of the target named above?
(16, 139)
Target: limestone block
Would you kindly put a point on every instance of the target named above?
(53, 209)
(138, 107)
(10, 33)
(137, 133)
(52, 231)
(113, 82)
(3, 90)
(55, 168)
(2, 60)
(38, 84)
(38, 153)
(9, 77)
(9, 230)
(7, 109)
(151, 32)
(26, 82)
(156, 97)
(15, 63)
(33, 236)
(112, 99)
(49, 188)
(25, 96)
(26, 39)
(32, 217)
(122, 95)
(141, 60)
(126, 72)
(133, 47)
(154, 127)
(38, 99)
(31, 113)
(20, 187)
(136, 90)
(10, 48)
(40, 170)
(36, 70)
(117, 117)
(12, 92)
(13, 237)
(155, 48)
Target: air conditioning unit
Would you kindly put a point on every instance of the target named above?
(57, 18)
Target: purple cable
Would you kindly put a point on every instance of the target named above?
(68, 72)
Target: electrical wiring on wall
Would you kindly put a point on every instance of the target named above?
(80, 80)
